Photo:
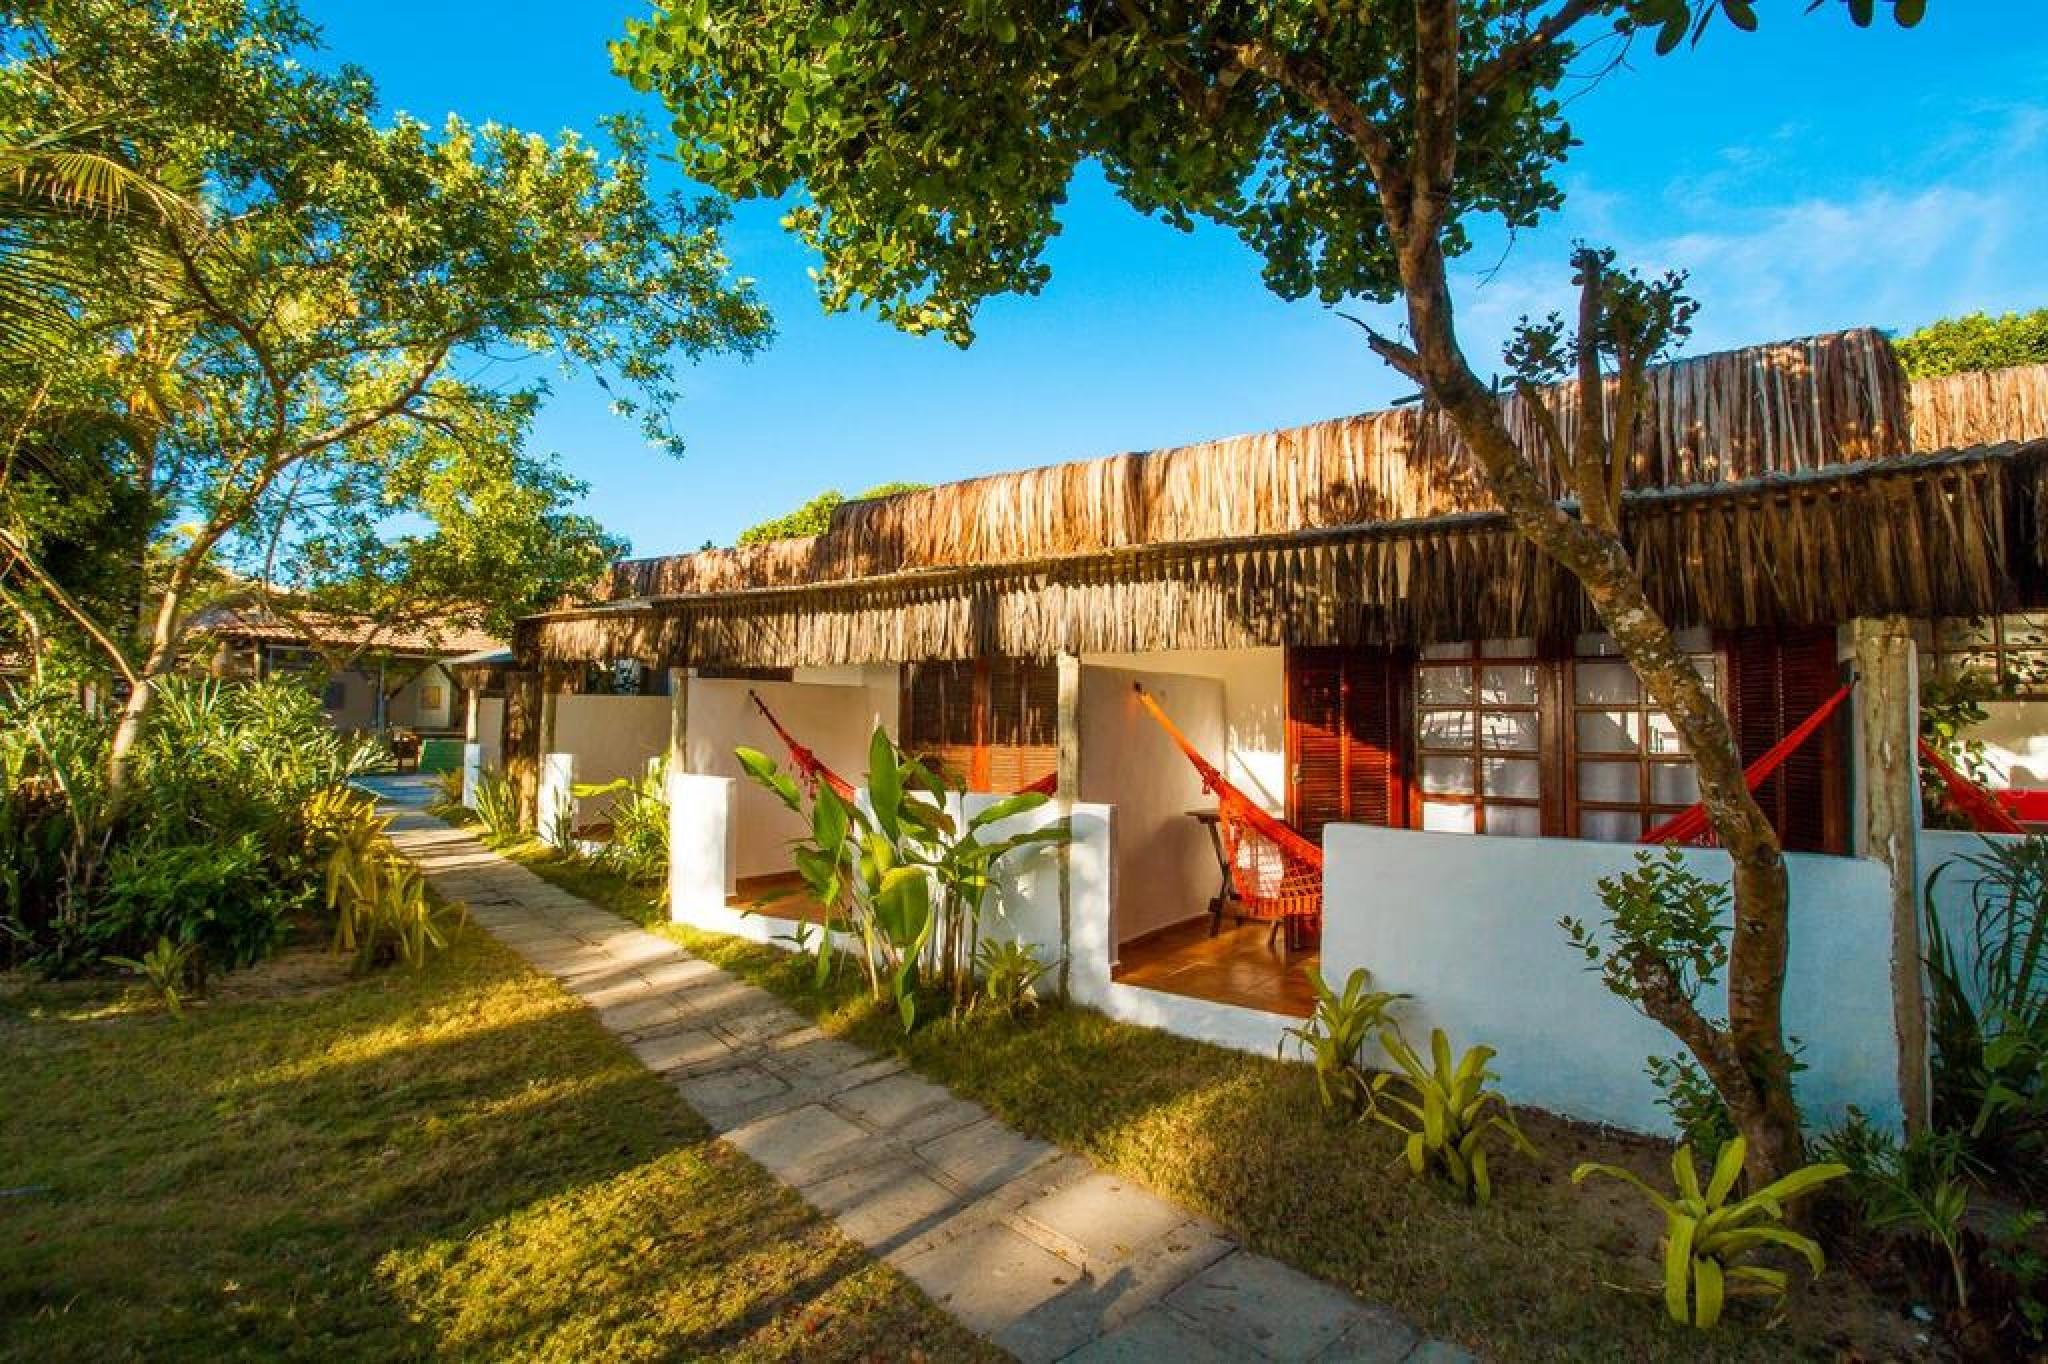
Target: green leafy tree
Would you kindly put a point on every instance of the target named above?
(304, 375)
(815, 516)
(1976, 341)
(1352, 147)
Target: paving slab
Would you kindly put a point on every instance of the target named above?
(1265, 1306)
(883, 1205)
(1153, 1337)
(984, 1156)
(990, 1278)
(1108, 1219)
(731, 1097)
(685, 1048)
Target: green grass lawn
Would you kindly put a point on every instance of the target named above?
(458, 1162)
(1242, 1139)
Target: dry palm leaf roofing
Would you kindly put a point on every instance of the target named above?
(1771, 488)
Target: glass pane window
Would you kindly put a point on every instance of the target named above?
(2000, 656)
(1479, 736)
(1629, 765)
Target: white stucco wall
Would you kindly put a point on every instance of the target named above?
(490, 731)
(1254, 708)
(1469, 927)
(833, 721)
(1165, 864)
(611, 736)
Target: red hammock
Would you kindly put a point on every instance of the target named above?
(811, 768)
(1691, 826)
(1984, 810)
(1276, 872)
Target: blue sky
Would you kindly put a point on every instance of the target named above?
(1812, 176)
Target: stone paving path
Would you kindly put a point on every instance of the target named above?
(1032, 1248)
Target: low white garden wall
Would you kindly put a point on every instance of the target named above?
(490, 731)
(611, 736)
(555, 810)
(1468, 925)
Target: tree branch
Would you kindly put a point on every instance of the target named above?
(68, 605)
(1522, 53)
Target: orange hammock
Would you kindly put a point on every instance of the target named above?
(1690, 825)
(1984, 810)
(1276, 872)
(811, 768)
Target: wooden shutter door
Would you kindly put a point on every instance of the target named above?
(1346, 739)
(1315, 739)
(1775, 680)
(1376, 711)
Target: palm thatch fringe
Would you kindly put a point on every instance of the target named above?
(1791, 407)
(1924, 535)
(1980, 409)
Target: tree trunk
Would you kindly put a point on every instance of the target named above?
(1760, 1097)
(166, 625)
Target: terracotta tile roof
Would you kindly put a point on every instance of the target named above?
(258, 624)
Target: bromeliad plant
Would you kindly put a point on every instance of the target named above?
(1453, 1108)
(381, 907)
(1334, 1037)
(898, 873)
(1708, 1238)
(1008, 972)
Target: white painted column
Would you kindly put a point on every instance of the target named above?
(1069, 755)
(701, 853)
(1888, 830)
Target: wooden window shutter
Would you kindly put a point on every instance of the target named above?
(1346, 738)
(1775, 680)
(1023, 722)
(939, 713)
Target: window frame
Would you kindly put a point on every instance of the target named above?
(1475, 660)
(1650, 811)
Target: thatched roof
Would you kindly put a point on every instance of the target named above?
(1770, 491)
(1945, 534)
(1780, 408)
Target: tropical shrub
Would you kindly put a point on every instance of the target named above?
(220, 899)
(167, 968)
(1696, 1108)
(215, 845)
(497, 811)
(382, 911)
(1009, 972)
(447, 802)
(638, 847)
(1452, 1108)
(1988, 1006)
(1333, 1038)
(1708, 1239)
(897, 873)
(1916, 1188)
(1975, 341)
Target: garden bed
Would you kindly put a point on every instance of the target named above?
(1243, 1139)
(455, 1161)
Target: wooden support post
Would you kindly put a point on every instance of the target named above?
(519, 740)
(1888, 828)
(1068, 736)
(678, 720)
